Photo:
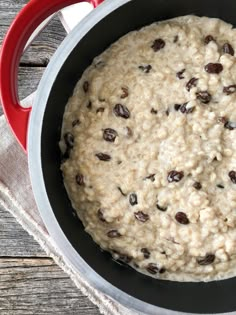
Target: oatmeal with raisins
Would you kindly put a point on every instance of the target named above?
(149, 149)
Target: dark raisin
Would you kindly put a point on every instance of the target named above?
(175, 176)
(232, 176)
(182, 218)
(100, 110)
(208, 39)
(79, 179)
(177, 107)
(176, 38)
(100, 215)
(230, 125)
(204, 97)
(89, 105)
(185, 110)
(228, 49)
(113, 234)
(124, 258)
(86, 86)
(146, 253)
(102, 100)
(229, 89)
(146, 69)
(125, 93)
(133, 199)
(191, 83)
(69, 140)
(121, 191)
(180, 74)
(103, 157)
(162, 270)
(151, 177)
(207, 260)
(197, 185)
(109, 135)
(154, 111)
(152, 268)
(167, 112)
(220, 186)
(222, 120)
(158, 44)
(75, 122)
(161, 208)
(214, 68)
(142, 217)
(121, 111)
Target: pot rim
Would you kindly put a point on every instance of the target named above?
(36, 173)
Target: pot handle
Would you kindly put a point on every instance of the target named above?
(29, 18)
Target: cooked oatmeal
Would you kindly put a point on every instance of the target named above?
(149, 149)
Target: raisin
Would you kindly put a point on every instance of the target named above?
(125, 93)
(124, 258)
(113, 234)
(146, 253)
(109, 135)
(100, 110)
(79, 179)
(162, 270)
(207, 260)
(75, 122)
(100, 215)
(222, 120)
(230, 125)
(204, 97)
(158, 44)
(69, 140)
(208, 39)
(167, 112)
(177, 107)
(197, 185)
(185, 110)
(161, 208)
(175, 176)
(182, 218)
(103, 157)
(176, 38)
(154, 111)
(121, 191)
(151, 177)
(180, 74)
(228, 49)
(142, 217)
(214, 68)
(191, 83)
(152, 268)
(86, 86)
(220, 186)
(121, 111)
(146, 69)
(229, 89)
(232, 176)
(133, 199)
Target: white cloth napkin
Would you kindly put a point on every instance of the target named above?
(16, 196)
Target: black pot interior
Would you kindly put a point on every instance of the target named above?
(213, 297)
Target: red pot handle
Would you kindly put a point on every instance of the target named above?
(29, 18)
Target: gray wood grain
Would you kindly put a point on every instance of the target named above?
(31, 283)
(38, 286)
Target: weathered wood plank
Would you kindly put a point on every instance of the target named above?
(38, 286)
(47, 42)
(14, 241)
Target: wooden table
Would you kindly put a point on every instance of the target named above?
(30, 282)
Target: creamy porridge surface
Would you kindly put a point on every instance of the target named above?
(149, 149)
